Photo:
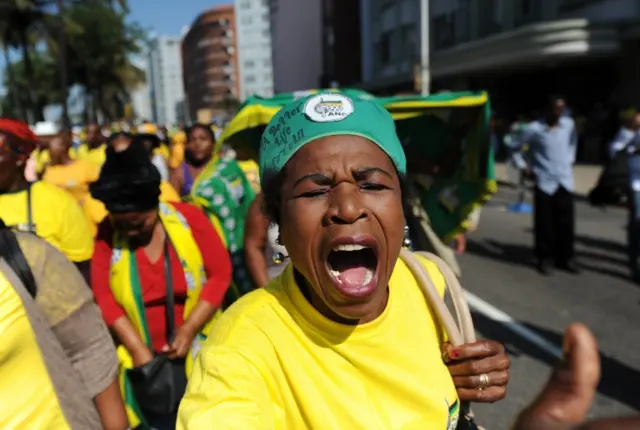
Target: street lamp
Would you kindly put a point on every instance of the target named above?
(425, 65)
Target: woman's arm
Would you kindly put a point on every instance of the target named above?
(111, 408)
(86, 341)
(255, 239)
(113, 314)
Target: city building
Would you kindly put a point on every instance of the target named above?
(296, 37)
(210, 63)
(477, 42)
(316, 44)
(254, 48)
(521, 51)
(165, 79)
(141, 96)
(341, 62)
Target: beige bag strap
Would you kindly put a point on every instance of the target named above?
(460, 333)
(460, 305)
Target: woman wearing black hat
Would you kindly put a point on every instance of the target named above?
(159, 272)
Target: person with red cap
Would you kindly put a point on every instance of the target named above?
(37, 207)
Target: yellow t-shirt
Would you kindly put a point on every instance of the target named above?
(74, 177)
(27, 397)
(97, 156)
(163, 150)
(274, 362)
(42, 158)
(252, 172)
(57, 218)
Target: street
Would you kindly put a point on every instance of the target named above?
(498, 269)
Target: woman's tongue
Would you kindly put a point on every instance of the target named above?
(352, 271)
(355, 277)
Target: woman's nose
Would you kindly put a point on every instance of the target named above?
(345, 206)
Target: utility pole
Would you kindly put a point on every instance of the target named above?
(425, 64)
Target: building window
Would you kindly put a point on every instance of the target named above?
(245, 4)
(249, 64)
(566, 5)
(408, 36)
(491, 19)
(250, 79)
(444, 31)
(528, 11)
(384, 49)
(246, 20)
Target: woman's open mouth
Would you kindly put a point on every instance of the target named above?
(353, 268)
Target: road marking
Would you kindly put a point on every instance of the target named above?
(491, 312)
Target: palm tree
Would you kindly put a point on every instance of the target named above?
(5, 36)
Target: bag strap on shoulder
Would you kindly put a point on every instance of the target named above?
(169, 303)
(463, 331)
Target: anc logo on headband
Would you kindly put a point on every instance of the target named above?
(328, 108)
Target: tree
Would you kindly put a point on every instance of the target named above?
(99, 55)
(21, 19)
(45, 72)
(102, 68)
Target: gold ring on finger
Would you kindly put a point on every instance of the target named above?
(484, 382)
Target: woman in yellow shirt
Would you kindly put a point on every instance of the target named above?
(343, 338)
(39, 207)
(58, 364)
(64, 172)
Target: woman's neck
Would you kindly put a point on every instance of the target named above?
(63, 161)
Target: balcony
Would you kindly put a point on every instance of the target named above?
(527, 45)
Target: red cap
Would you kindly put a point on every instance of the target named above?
(25, 141)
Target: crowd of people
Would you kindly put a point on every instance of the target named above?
(157, 282)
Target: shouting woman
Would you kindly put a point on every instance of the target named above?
(343, 338)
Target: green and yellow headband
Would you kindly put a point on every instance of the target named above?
(327, 114)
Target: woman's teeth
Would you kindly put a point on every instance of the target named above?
(350, 247)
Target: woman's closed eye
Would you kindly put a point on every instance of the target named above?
(313, 193)
(374, 186)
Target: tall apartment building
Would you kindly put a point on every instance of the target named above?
(254, 48)
(316, 44)
(165, 79)
(296, 37)
(209, 61)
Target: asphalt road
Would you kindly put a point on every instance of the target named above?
(498, 269)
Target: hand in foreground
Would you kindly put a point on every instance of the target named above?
(563, 404)
(181, 343)
(480, 370)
